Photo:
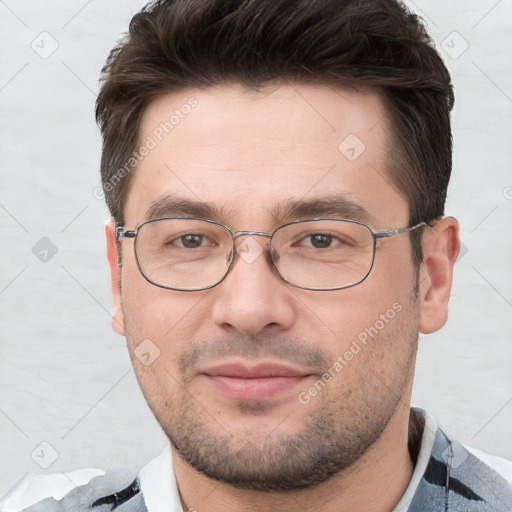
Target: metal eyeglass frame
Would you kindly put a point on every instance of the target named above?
(123, 233)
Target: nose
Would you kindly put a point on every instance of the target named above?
(253, 298)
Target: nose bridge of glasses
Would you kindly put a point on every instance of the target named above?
(249, 249)
(238, 234)
(245, 246)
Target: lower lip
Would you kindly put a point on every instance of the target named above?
(253, 389)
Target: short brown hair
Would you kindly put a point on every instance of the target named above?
(176, 44)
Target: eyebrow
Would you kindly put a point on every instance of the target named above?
(170, 206)
(339, 206)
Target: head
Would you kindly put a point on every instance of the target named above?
(255, 114)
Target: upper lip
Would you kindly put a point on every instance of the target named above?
(258, 371)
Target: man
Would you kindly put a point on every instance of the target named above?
(276, 173)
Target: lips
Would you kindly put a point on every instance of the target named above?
(259, 382)
(254, 372)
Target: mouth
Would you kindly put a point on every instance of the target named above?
(252, 383)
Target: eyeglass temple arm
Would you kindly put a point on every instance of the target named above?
(393, 232)
(122, 233)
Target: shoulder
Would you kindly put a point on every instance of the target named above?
(94, 490)
(86, 489)
(474, 480)
(449, 474)
(501, 465)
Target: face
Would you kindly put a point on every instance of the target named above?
(256, 382)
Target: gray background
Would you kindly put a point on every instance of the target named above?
(65, 377)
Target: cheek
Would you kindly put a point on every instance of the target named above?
(159, 325)
(168, 318)
(393, 262)
(345, 315)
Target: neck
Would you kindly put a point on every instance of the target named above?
(376, 481)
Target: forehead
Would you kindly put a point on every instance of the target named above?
(247, 152)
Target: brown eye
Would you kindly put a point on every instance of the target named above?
(321, 241)
(191, 241)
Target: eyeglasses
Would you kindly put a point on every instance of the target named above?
(192, 254)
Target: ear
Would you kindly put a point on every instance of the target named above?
(440, 250)
(115, 276)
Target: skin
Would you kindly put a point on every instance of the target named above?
(245, 152)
